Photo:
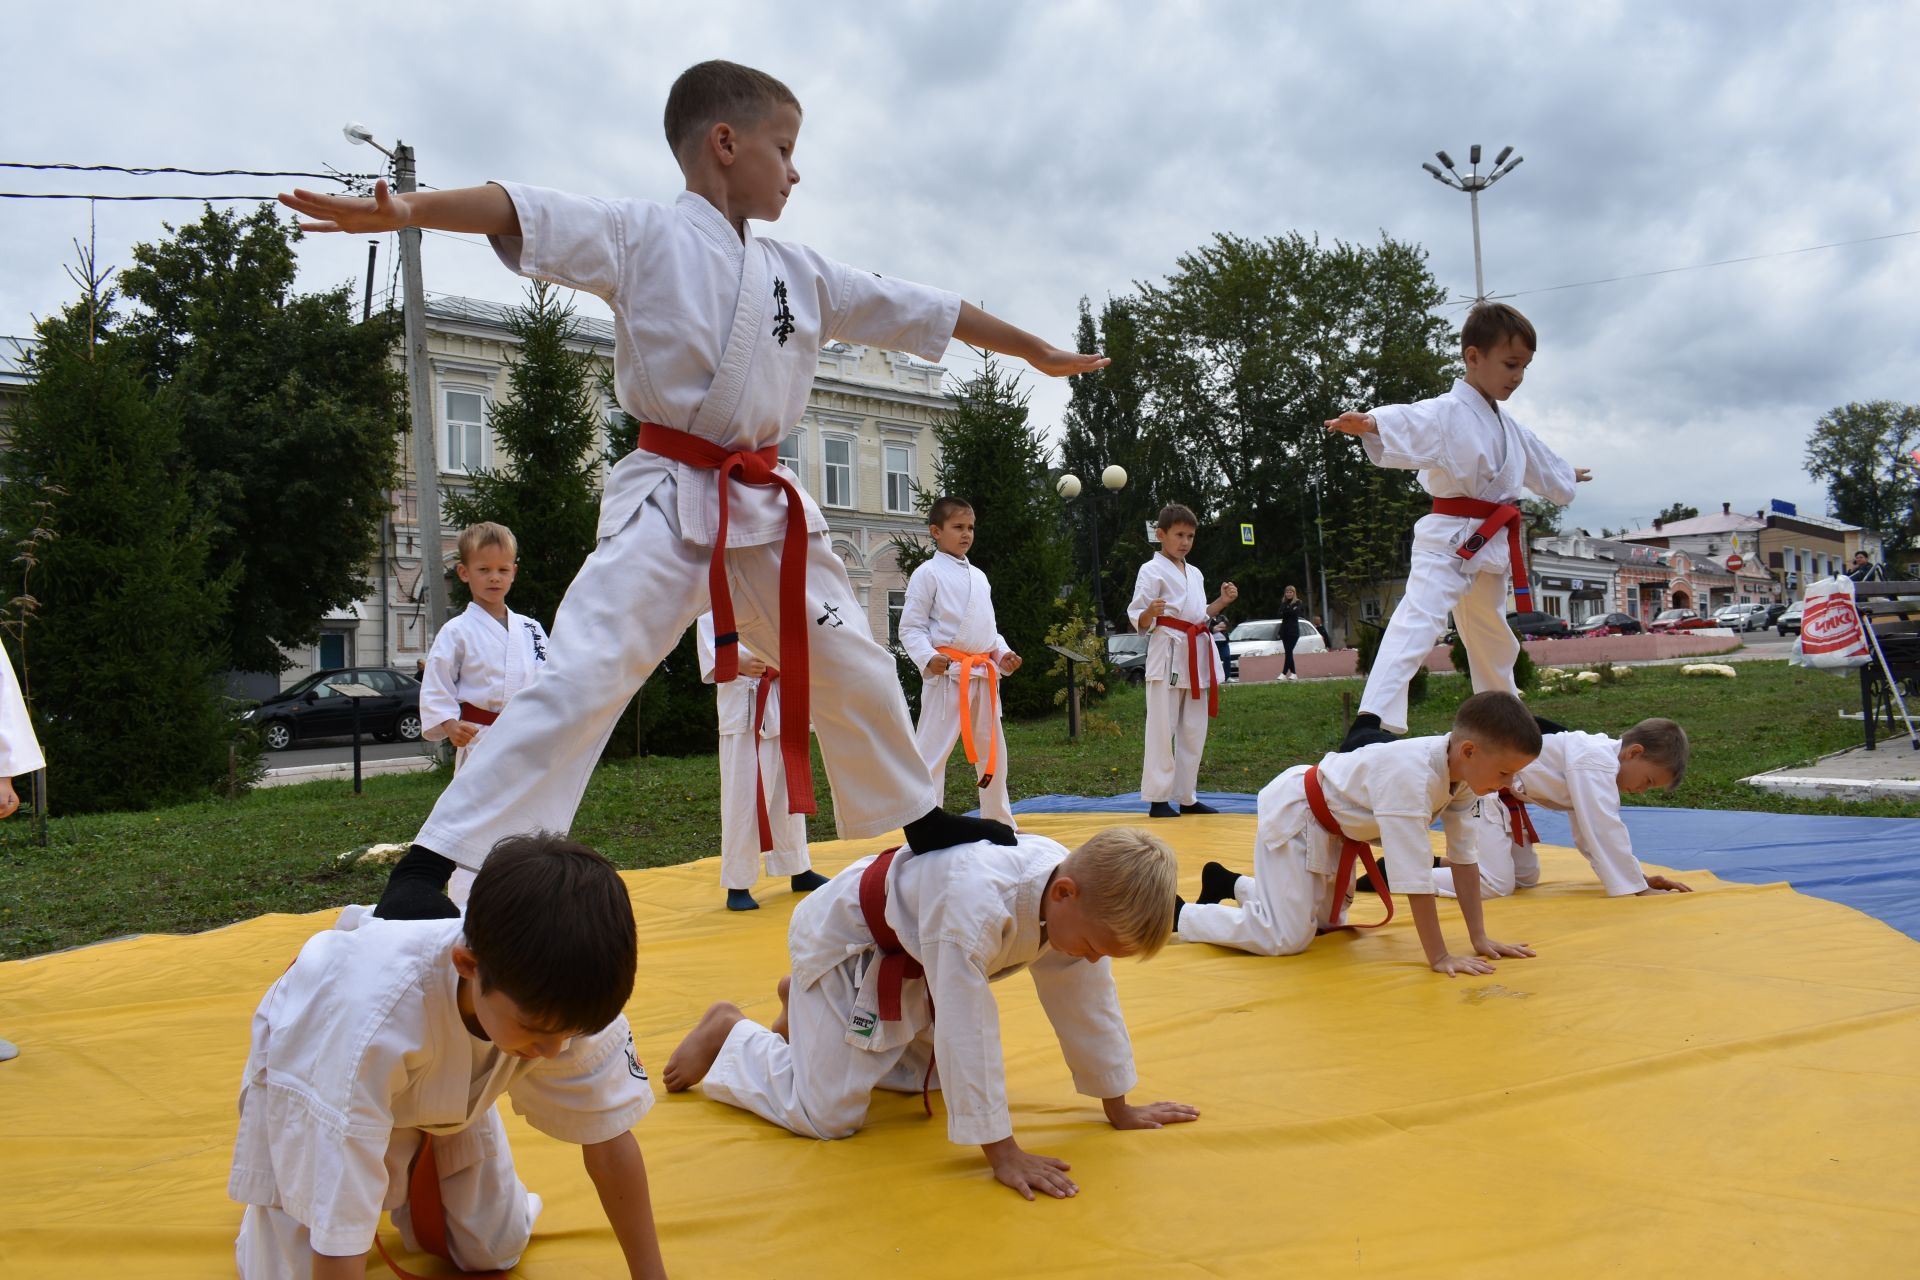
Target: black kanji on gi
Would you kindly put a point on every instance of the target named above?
(539, 650)
(783, 318)
(831, 618)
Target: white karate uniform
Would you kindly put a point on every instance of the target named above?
(1386, 794)
(1463, 448)
(479, 660)
(1577, 774)
(971, 916)
(949, 605)
(358, 1049)
(741, 752)
(719, 339)
(19, 748)
(1176, 720)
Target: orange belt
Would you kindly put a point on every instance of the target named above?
(756, 467)
(1350, 851)
(967, 662)
(477, 715)
(760, 697)
(1518, 823)
(896, 965)
(1493, 516)
(1194, 632)
(429, 1218)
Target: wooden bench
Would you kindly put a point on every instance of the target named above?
(1892, 609)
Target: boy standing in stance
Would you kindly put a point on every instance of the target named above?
(1170, 608)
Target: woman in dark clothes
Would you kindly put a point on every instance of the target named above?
(1290, 610)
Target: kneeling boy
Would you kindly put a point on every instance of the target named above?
(893, 938)
(1582, 775)
(1388, 793)
(378, 1055)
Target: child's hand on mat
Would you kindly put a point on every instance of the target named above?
(1123, 1115)
(1453, 966)
(1492, 950)
(938, 664)
(1661, 884)
(752, 668)
(1027, 1173)
(1582, 475)
(358, 215)
(1353, 424)
(1010, 664)
(1062, 364)
(460, 732)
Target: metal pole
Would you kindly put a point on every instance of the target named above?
(366, 302)
(356, 745)
(1479, 283)
(1099, 601)
(426, 462)
(1320, 532)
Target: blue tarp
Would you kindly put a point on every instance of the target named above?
(1869, 864)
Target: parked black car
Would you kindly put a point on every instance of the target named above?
(1534, 625)
(1609, 624)
(1127, 657)
(314, 708)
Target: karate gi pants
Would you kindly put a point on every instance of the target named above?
(489, 1219)
(939, 729)
(1440, 584)
(1176, 738)
(740, 755)
(1280, 907)
(1504, 865)
(632, 600)
(815, 1083)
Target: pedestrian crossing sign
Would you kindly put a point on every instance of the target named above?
(1246, 535)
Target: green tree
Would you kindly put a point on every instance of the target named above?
(1542, 517)
(994, 458)
(289, 410)
(126, 647)
(1864, 455)
(549, 428)
(1677, 511)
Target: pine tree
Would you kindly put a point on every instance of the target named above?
(1104, 427)
(124, 649)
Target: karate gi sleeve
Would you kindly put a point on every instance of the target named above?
(916, 619)
(439, 700)
(1083, 1005)
(1548, 474)
(1600, 834)
(581, 242)
(966, 1041)
(703, 641)
(19, 749)
(1409, 854)
(1408, 437)
(1143, 593)
(880, 312)
(598, 1089)
(1463, 841)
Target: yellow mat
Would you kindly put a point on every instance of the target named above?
(1723, 1084)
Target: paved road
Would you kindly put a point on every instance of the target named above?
(340, 751)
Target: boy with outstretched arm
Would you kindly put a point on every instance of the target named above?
(1475, 460)
(1582, 775)
(1171, 609)
(717, 333)
(379, 1054)
(949, 631)
(894, 940)
(1315, 821)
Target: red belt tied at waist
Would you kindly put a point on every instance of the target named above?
(1350, 851)
(1194, 632)
(477, 715)
(1519, 825)
(429, 1216)
(967, 662)
(756, 467)
(1492, 515)
(896, 965)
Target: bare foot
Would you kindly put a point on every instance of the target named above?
(779, 1026)
(690, 1062)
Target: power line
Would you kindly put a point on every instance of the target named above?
(199, 173)
(59, 195)
(1723, 262)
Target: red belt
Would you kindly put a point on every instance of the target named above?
(1518, 823)
(760, 696)
(1492, 515)
(477, 715)
(429, 1216)
(1194, 631)
(756, 467)
(1350, 851)
(967, 662)
(896, 966)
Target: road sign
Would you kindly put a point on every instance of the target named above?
(1246, 535)
(1735, 564)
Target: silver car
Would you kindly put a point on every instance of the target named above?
(1260, 638)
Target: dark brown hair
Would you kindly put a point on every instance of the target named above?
(1662, 743)
(709, 93)
(944, 509)
(1498, 720)
(1173, 513)
(1489, 322)
(551, 926)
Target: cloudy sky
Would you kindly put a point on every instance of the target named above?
(1027, 154)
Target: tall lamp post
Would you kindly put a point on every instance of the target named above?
(1114, 478)
(1473, 183)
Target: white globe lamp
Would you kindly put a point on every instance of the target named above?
(1067, 486)
(1114, 477)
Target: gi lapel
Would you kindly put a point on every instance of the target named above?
(736, 362)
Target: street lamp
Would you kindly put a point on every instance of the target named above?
(1068, 486)
(1473, 184)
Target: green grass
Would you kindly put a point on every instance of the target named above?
(203, 865)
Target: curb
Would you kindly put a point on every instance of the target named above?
(293, 775)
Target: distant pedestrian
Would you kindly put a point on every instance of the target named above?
(1865, 570)
(1290, 611)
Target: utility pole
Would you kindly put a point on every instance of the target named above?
(426, 461)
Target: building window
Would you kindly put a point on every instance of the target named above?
(896, 605)
(836, 469)
(790, 454)
(899, 467)
(466, 431)
(1370, 608)
(334, 650)
(617, 427)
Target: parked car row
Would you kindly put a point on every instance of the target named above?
(316, 707)
(1258, 638)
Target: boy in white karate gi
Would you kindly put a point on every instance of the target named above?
(1475, 460)
(717, 336)
(1582, 775)
(19, 753)
(948, 628)
(892, 963)
(1387, 793)
(754, 820)
(1171, 609)
(378, 1056)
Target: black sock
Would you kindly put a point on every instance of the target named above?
(806, 880)
(1217, 884)
(1198, 806)
(1548, 726)
(1364, 732)
(1365, 883)
(1179, 904)
(417, 888)
(942, 830)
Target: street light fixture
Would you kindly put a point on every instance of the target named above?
(1068, 486)
(1473, 183)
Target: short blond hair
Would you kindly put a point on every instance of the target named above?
(1128, 879)
(1663, 743)
(476, 538)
